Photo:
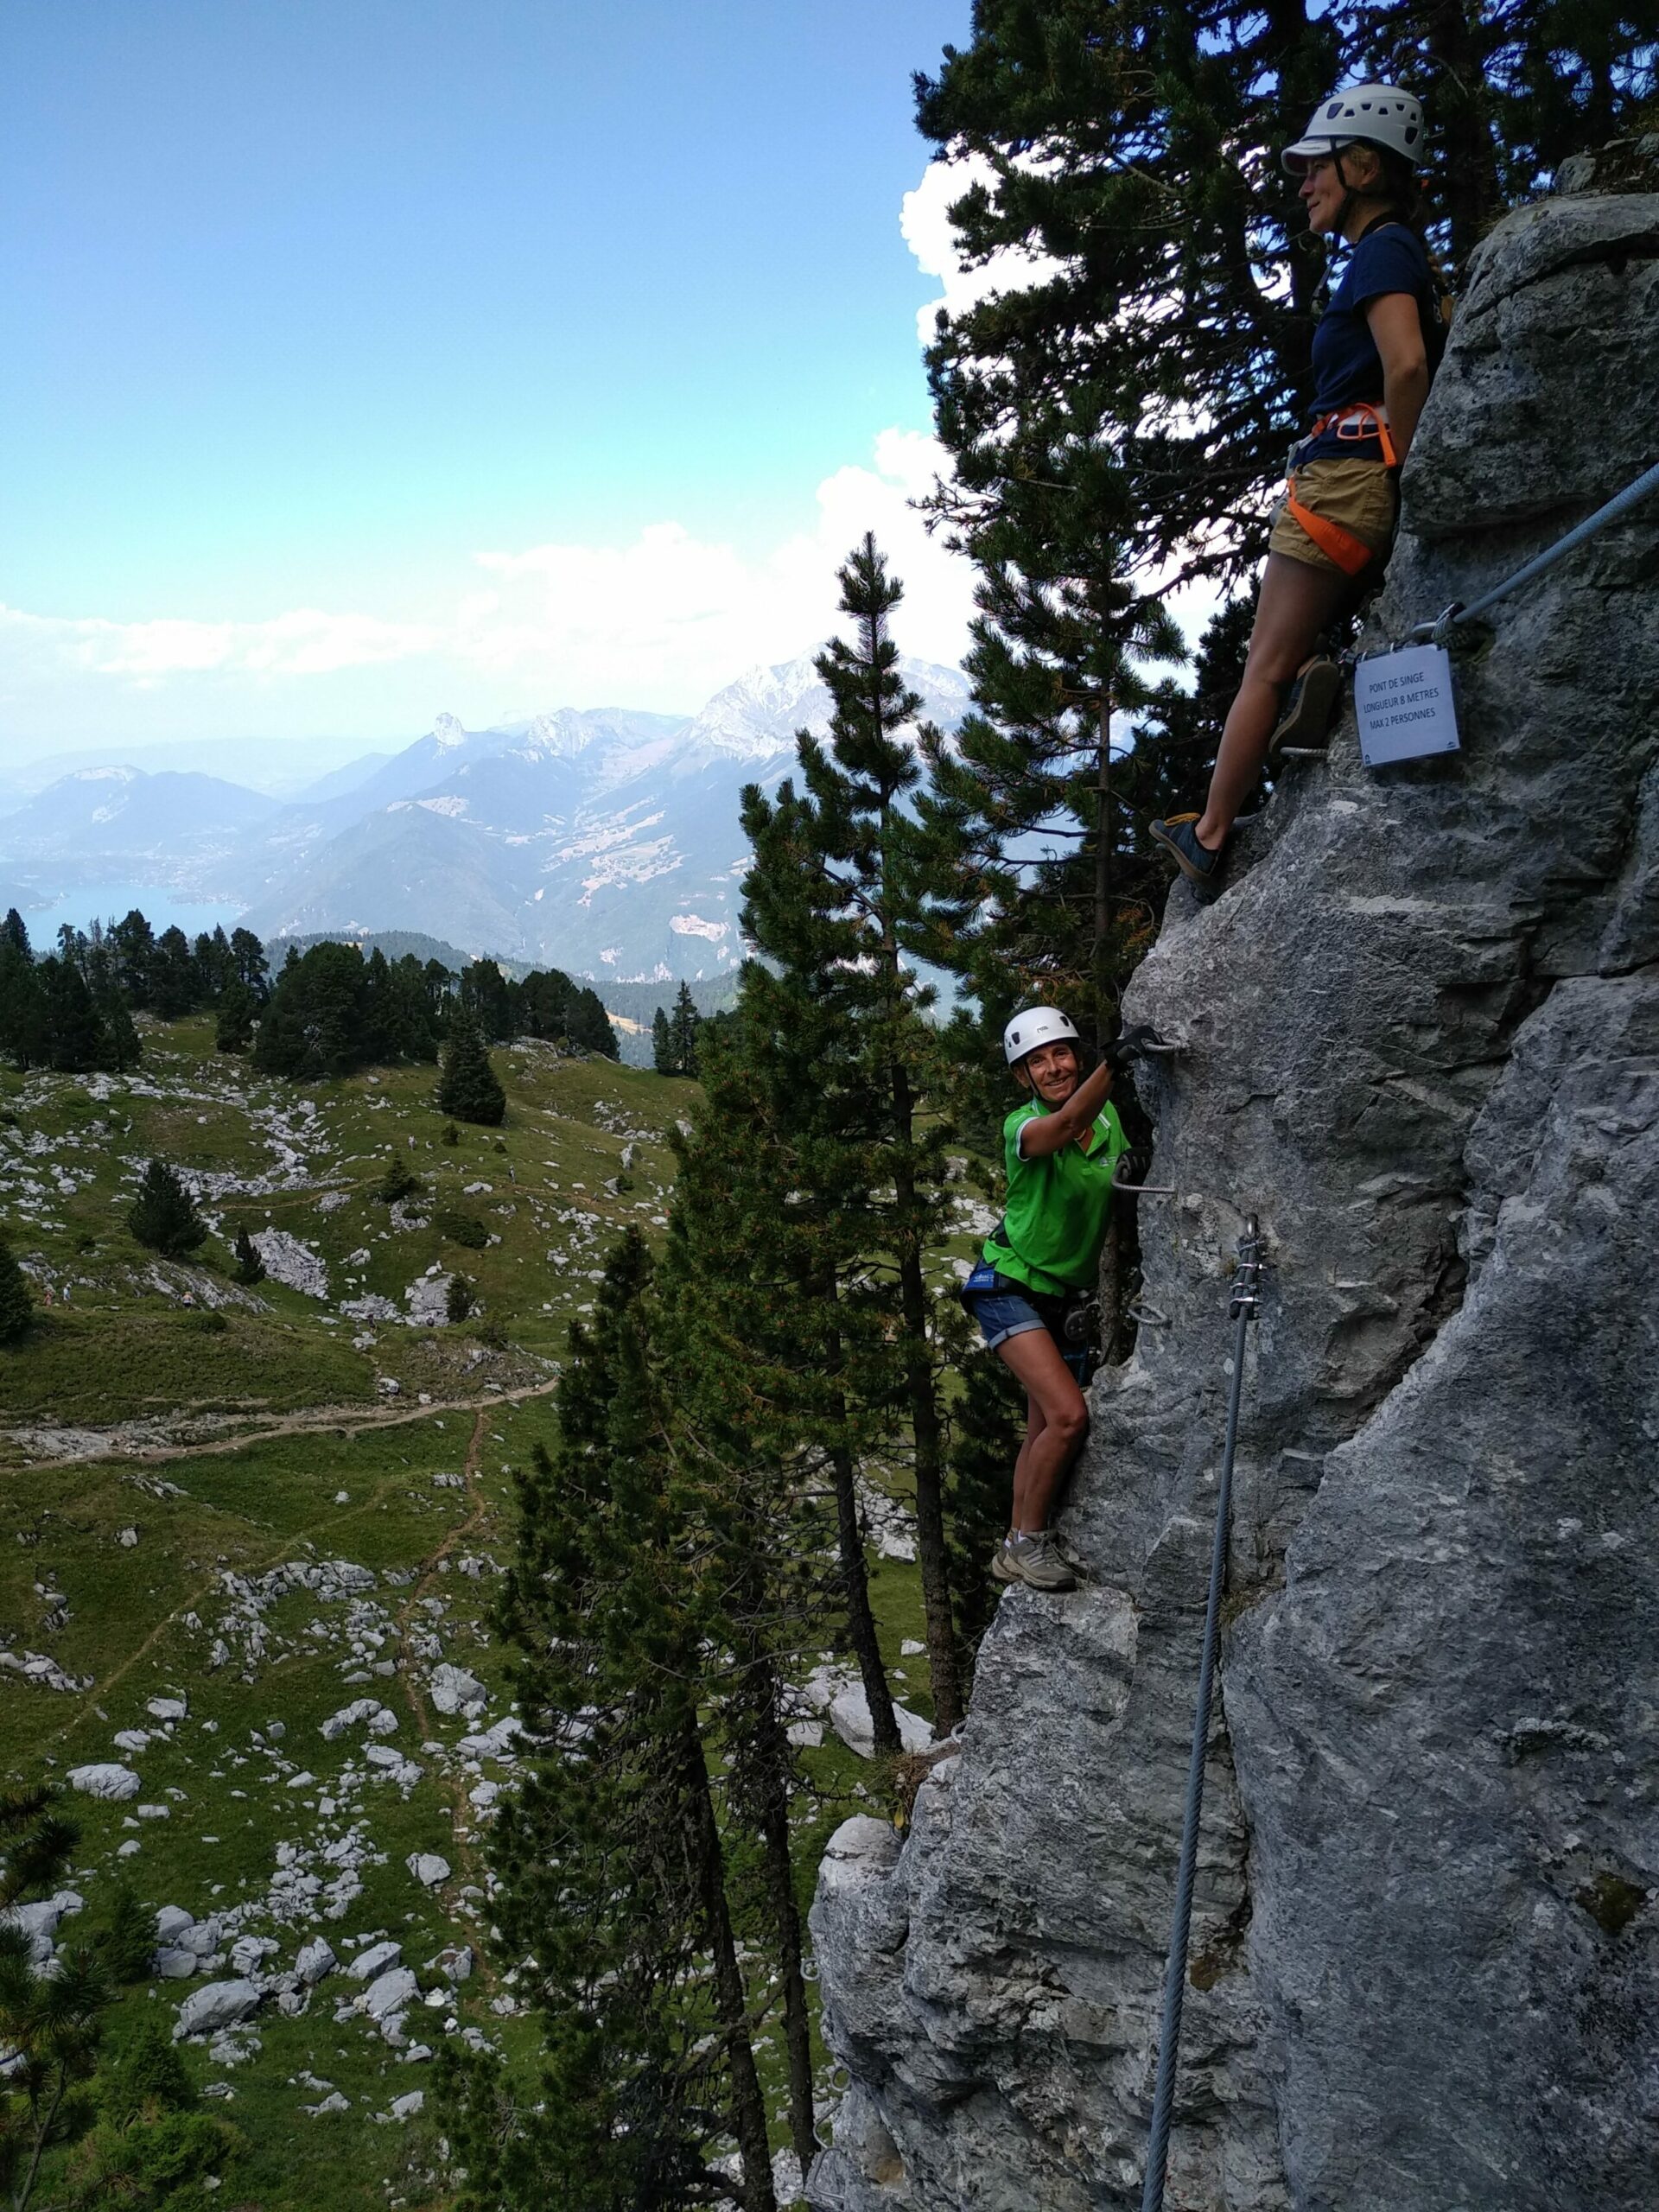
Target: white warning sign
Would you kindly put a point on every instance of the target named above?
(1403, 702)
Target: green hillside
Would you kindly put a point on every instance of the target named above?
(253, 1527)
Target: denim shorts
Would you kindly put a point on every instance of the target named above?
(1003, 1314)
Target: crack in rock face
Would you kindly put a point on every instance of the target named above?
(1423, 1034)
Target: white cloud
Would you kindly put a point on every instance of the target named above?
(662, 620)
(925, 221)
(685, 615)
(303, 643)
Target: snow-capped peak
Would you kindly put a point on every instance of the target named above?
(558, 736)
(448, 731)
(758, 715)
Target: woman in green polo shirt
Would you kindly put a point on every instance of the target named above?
(1042, 1259)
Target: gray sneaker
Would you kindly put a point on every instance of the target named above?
(1034, 1560)
(1069, 1555)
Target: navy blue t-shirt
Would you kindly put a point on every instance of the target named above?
(1346, 363)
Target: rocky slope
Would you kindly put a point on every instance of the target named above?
(1424, 1046)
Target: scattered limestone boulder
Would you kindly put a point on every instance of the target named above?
(171, 1920)
(218, 2005)
(38, 1922)
(454, 1690)
(104, 1780)
(388, 1992)
(428, 1868)
(405, 2107)
(316, 1960)
(168, 1708)
(362, 1711)
(375, 1960)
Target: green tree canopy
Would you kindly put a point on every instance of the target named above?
(468, 1087)
(164, 1215)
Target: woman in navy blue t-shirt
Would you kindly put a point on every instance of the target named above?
(1371, 369)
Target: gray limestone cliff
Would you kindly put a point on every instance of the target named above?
(1423, 1024)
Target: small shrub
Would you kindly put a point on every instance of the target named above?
(492, 1335)
(148, 2076)
(250, 1267)
(460, 1228)
(460, 1299)
(499, 1145)
(208, 1322)
(399, 1181)
(451, 1134)
(126, 1939)
(17, 1308)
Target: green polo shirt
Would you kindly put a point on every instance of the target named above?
(1059, 1205)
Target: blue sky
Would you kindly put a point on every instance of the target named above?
(360, 352)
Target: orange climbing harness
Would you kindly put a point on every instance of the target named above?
(1363, 419)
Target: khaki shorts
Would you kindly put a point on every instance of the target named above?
(1359, 495)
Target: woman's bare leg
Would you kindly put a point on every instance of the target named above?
(1297, 601)
(1057, 1422)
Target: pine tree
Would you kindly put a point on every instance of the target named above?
(838, 902)
(234, 1018)
(165, 1217)
(590, 1029)
(79, 1039)
(175, 982)
(249, 1267)
(251, 968)
(17, 1308)
(612, 1861)
(468, 1088)
(685, 1024)
(132, 944)
(123, 1050)
(25, 1036)
(758, 1220)
(662, 1044)
(458, 1299)
(51, 2020)
(487, 996)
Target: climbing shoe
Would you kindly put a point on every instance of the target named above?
(1034, 1560)
(1309, 704)
(1200, 866)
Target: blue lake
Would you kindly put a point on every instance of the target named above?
(106, 902)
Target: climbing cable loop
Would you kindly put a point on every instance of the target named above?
(1240, 1310)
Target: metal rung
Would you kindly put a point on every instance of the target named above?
(1147, 1317)
(1139, 1190)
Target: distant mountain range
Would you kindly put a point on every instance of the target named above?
(605, 841)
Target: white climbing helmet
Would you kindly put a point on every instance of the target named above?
(1038, 1025)
(1378, 115)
